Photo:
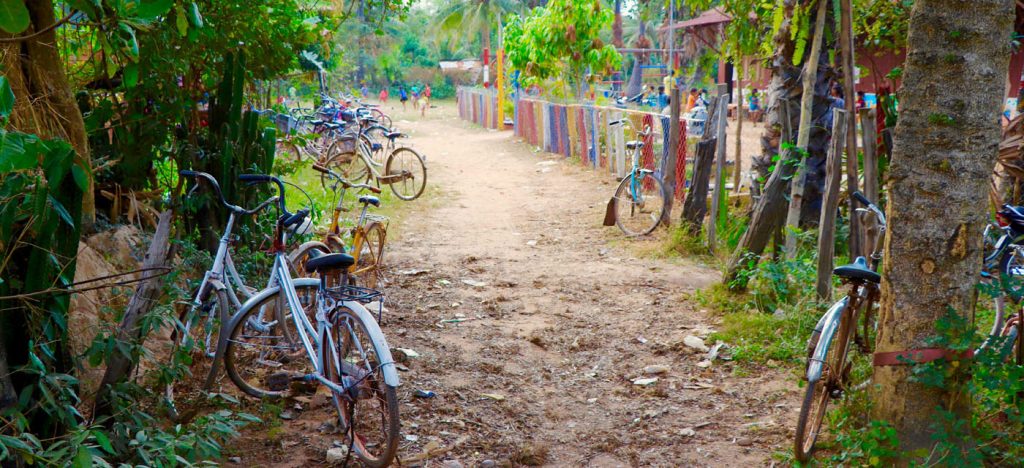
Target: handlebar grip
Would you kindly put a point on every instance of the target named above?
(185, 173)
(255, 178)
(319, 168)
(861, 198)
(373, 189)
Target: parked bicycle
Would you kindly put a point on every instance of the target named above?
(828, 361)
(639, 201)
(222, 290)
(367, 237)
(1004, 267)
(404, 168)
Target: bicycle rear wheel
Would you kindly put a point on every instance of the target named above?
(406, 161)
(639, 204)
(368, 416)
(264, 351)
(349, 164)
(817, 394)
(368, 271)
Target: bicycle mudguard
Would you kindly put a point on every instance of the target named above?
(377, 336)
(831, 324)
(609, 213)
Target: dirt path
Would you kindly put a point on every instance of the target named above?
(532, 321)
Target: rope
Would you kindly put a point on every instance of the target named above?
(70, 290)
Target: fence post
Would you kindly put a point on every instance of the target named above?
(717, 192)
(670, 161)
(830, 203)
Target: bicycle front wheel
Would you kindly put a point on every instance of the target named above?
(408, 164)
(817, 394)
(368, 413)
(367, 270)
(639, 204)
(265, 353)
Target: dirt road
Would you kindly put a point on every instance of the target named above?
(533, 324)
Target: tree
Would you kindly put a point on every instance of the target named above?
(469, 17)
(561, 39)
(945, 146)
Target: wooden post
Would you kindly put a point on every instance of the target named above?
(867, 122)
(717, 212)
(737, 165)
(830, 203)
(846, 45)
(695, 205)
(673, 150)
(809, 74)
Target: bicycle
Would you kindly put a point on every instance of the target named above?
(1004, 263)
(638, 205)
(222, 288)
(404, 168)
(828, 369)
(345, 351)
(368, 235)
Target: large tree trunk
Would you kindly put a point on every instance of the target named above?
(44, 102)
(945, 147)
(485, 28)
(617, 25)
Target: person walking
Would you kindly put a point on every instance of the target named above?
(403, 96)
(426, 100)
(383, 96)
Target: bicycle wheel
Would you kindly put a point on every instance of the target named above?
(378, 142)
(368, 270)
(287, 150)
(817, 394)
(348, 164)
(408, 162)
(264, 351)
(382, 118)
(198, 332)
(368, 416)
(639, 204)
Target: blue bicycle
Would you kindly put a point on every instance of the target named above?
(639, 202)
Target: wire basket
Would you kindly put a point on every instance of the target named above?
(365, 296)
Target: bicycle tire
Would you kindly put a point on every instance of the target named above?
(349, 165)
(216, 317)
(368, 269)
(640, 219)
(407, 159)
(261, 355)
(382, 118)
(378, 134)
(300, 255)
(817, 394)
(362, 363)
(288, 149)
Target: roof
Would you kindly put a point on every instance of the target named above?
(710, 17)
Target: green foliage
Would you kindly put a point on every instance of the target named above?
(14, 16)
(562, 38)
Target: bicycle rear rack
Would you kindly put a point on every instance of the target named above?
(358, 294)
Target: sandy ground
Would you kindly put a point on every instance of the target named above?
(532, 323)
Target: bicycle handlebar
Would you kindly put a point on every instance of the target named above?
(216, 188)
(871, 206)
(252, 179)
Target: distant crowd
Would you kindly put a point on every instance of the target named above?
(420, 96)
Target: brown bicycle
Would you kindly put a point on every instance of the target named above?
(368, 236)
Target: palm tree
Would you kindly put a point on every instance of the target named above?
(463, 18)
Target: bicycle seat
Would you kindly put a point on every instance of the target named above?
(858, 270)
(370, 199)
(634, 144)
(392, 135)
(325, 263)
(333, 125)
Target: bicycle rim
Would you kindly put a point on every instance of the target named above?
(264, 352)
(370, 421)
(407, 161)
(639, 204)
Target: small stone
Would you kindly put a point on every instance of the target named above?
(412, 437)
(704, 364)
(286, 415)
(531, 243)
(656, 369)
(451, 464)
(695, 343)
(687, 432)
(337, 455)
(235, 459)
(744, 441)
(488, 464)
(645, 382)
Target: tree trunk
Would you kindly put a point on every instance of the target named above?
(617, 25)
(485, 28)
(44, 103)
(945, 147)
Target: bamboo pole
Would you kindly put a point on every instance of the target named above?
(717, 193)
(846, 44)
(830, 203)
(810, 73)
(738, 164)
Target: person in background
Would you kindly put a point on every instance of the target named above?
(364, 91)
(861, 103)
(425, 97)
(403, 96)
(383, 96)
(662, 97)
(754, 105)
(691, 100)
(669, 82)
(702, 99)
(836, 101)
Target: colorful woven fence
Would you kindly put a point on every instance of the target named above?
(478, 106)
